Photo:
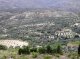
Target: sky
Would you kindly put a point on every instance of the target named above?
(65, 4)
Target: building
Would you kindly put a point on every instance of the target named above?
(65, 33)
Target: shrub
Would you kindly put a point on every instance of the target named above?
(34, 55)
(2, 47)
(58, 50)
(54, 51)
(25, 50)
(48, 49)
(41, 50)
(79, 50)
(33, 50)
(20, 51)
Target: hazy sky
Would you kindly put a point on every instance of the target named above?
(40, 3)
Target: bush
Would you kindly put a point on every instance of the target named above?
(41, 50)
(2, 47)
(20, 51)
(48, 49)
(79, 50)
(54, 51)
(33, 50)
(58, 50)
(34, 55)
(25, 50)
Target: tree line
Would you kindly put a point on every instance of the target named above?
(44, 50)
(41, 50)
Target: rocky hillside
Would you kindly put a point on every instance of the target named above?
(35, 24)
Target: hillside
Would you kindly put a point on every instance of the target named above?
(36, 25)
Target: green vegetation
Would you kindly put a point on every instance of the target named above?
(44, 52)
(74, 43)
(79, 50)
(2, 47)
(47, 57)
(48, 49)
(59, 51)
(40, 29)
(33, 49)
(41, 50)
(24, 50)
(22, 57)
(34, 54)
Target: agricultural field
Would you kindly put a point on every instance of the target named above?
(13, 43)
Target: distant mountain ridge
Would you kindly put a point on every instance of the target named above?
(60, 4)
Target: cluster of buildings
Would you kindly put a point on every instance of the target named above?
(68, 33)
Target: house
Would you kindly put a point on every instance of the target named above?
(68, 33)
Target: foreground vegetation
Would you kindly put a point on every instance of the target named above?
(44, 52)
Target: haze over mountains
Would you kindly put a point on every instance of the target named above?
(60, 4)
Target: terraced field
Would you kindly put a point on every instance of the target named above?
(13, 43)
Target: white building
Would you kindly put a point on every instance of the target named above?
(65, 33)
